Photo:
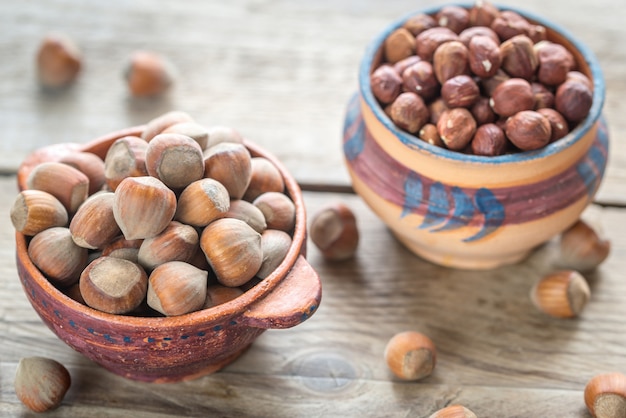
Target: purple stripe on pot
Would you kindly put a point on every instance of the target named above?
(446, 207)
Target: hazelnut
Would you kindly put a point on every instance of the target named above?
(148, 74)
(402, 65)
(411, 355)
(555, 61)
(562, 294)
(216, 294)
(573, 99)
(489, 140)
(159, 124)
(175, 159)
(436, 109)
(58, 61)
(483, 13)
(578, 76)
(430, 39)
(544, 98)
(230, 164)
(177, 242)
(420, 78)
(275, 244)
(64, 182)
(460, 91)
(582, 248)
(264, 177)
(456, 128)
(247, 212)
(537, 33)
(528, 130)
(484, 56)
(489, 85)
(453, 411)
(193, 130)
(219, 134)
(474, 31)
(202, 202)
(126, 157)
(278, 209)
(399, 45)
(449, 60)
(429, 134)
(605, 395)
(143, 207)
(176, 288)
(90, 165)
(93, 225)
(123, 248)
(386, 83)
(418, 23)
(558, 124)
(34, 211)
(509, 24)
(113, 285)
(482, 111)
(41, 383)
(233, 249)
(57, 256)
(512, 96)
(334, 232)
(455, 18)
(409, 112)
(519, 58)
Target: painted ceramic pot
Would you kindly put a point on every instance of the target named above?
(161, 349)
(469, 211)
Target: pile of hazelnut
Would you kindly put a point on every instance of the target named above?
(480, 81)
(180, 219)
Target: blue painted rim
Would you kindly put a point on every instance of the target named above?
(574, 136)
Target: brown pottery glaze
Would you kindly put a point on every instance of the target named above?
(169, 349)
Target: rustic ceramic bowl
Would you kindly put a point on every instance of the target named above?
(470, 211)
(176, 348)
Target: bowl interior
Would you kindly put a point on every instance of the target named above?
(216, 313)
(585, 58)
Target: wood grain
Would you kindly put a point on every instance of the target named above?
(496, 353)
(281, 72)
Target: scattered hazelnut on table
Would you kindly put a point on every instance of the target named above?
(148, 74)
(605, 395)
(59, 61)
(41, 383)
(410, 355)
(582, 248)
(334, 231)
(562, 294)
(453, 411)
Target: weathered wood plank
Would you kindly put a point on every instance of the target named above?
(497, 354)
(281, 72)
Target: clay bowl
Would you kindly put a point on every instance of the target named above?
(468, 211)
(171, 349)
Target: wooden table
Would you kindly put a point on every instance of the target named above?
(281, 72)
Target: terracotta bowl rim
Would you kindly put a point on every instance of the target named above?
(231, 308)
(413, 142)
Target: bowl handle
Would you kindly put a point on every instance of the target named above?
(291, 302)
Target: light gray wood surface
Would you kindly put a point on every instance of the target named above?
(281, 72)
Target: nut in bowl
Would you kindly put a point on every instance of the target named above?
(498, 162)
(143, 342)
